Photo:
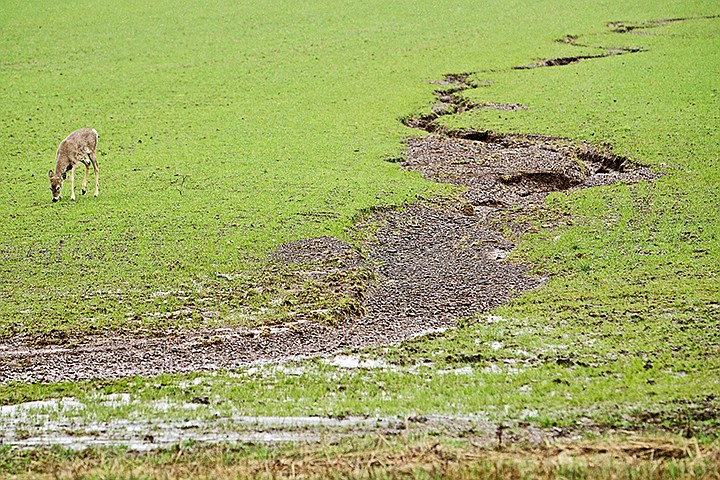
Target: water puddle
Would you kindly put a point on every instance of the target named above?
(354, 362)
(41, 407)
(58, 422)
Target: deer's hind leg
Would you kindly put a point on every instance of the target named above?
(84, 183)
(93, 159)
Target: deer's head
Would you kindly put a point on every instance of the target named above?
(56, 182)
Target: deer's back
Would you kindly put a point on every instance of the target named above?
(78, 142)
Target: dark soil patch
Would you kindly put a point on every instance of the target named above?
(318, 250)
(626, 27)
(506, 107)
(561, 61)
(517, 170)
(434, 263)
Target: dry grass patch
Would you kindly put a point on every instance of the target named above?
(383, 457)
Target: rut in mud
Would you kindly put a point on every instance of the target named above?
(435, 262)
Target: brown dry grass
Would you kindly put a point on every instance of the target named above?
(651, 458)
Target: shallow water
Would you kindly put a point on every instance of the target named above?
(354, 362)
(60, 422)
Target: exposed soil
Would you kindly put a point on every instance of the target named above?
(435, 262)
(560, 61)
(435, 265)
(517, 170)
(625, 27)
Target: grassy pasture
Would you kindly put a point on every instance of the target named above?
(227, 129)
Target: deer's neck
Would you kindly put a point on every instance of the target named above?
(62, 163)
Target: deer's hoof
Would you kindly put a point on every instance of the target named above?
(83, 192)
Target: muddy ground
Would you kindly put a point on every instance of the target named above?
(434, 262)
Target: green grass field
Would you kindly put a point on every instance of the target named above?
(227, 129)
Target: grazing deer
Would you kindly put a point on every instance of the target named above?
(79, 146)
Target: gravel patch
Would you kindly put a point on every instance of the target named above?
(435, 262)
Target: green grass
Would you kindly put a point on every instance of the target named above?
(636, 272)
(219, 140)
(226, 130)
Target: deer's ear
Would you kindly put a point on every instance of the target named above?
(50, 174)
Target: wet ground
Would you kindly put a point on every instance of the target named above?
(434, 263)
(76, 424)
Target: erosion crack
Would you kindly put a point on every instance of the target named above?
(626, 27)
(561, 61)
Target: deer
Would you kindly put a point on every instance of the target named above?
(78, 147)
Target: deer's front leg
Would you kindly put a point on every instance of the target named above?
(93, 159)
(72, 183)
(84, 184)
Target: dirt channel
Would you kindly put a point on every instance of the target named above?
(435, 262)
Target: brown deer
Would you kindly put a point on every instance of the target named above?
(79, 146)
